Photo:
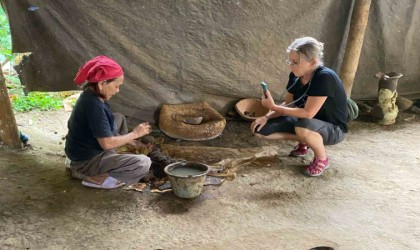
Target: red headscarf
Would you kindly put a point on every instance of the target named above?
(98, 69)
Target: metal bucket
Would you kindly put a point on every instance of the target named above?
(187, 178)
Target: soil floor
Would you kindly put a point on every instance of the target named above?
(367, 199)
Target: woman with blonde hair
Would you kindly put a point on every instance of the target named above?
(314, 111)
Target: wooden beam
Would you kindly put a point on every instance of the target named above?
(9, 132)
(359, 20)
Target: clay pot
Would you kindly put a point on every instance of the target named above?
(250, 109)
(386, 110)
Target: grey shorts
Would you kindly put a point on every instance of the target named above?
(128, 168)
(331, 134)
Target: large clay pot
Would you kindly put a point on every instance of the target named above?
(386, 110)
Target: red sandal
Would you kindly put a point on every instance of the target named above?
(317, 167)
(301, 150)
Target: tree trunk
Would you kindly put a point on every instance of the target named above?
(8, 129)
(359, 20)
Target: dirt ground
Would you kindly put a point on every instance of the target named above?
(368, 199)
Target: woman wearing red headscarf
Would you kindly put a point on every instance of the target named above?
(93, 133)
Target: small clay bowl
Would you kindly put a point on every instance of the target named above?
(193, 120)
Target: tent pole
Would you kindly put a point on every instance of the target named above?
(9, 132)
(358, 23)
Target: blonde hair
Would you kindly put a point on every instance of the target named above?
(309, 48)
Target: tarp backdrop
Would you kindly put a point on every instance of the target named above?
(214, 50)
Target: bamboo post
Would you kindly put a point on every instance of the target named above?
(359, 20)
(9, 132)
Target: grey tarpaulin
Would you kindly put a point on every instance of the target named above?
(215, 51)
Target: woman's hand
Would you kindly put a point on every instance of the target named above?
(268, 102)
(271, 105)
(258, 124)
(142, 129)
(112, 142)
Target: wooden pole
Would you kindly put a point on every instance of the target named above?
(9, 132)
(359, 20)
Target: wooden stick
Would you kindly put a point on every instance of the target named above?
(9, 132)
(359, 20)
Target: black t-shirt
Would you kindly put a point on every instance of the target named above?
(325, 82)
(91, 119)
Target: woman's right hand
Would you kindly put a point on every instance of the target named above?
(258, 123)
(142, 129)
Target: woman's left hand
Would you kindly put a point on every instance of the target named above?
(268, 102)
(258, 123)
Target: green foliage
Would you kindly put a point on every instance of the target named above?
(5, 38)
(13, 86)
(21, 102)
(37, 101)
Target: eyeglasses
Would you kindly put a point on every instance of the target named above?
(291, 63)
